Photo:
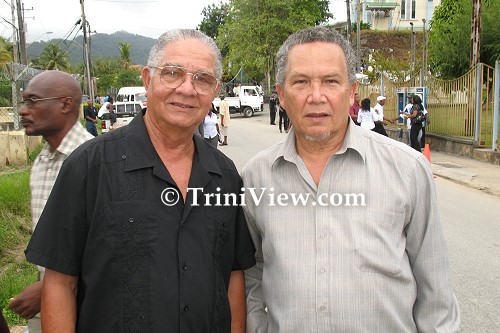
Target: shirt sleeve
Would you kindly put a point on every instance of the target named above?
(256, 313)
(436, 308)
(59, 238)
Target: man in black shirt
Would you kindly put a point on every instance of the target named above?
(132, 236)
(90, 115)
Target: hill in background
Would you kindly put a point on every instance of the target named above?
(101, 46)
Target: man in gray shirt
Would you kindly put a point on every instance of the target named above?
(345, 221)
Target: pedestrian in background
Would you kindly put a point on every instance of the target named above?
(283, 120)
(224, 119)
(272, 107)
(382, 120)
(366, 117)
(50, 108)
(354, 110)
(211, 127)
(90, 115)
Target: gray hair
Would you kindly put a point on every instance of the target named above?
(171, 36)
(311, 35)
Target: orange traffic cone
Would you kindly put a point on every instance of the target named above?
(427, 152)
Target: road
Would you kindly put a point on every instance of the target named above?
(471, 221)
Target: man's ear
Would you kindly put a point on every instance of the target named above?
(146, 77)
(281, 94)
(68, 103)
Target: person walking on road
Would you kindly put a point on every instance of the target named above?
(224, 118)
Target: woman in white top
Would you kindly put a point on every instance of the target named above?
(211, 128)
(367, 116)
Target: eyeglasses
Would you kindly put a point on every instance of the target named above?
(30, 102)
(173, 76)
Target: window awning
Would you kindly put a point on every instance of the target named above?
(379, 5)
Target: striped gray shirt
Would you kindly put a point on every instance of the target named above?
(362, 252)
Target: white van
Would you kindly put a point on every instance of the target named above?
(130, 99)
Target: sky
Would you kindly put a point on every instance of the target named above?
(47, 19)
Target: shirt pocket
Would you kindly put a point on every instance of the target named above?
(380, 241)
(130, 227)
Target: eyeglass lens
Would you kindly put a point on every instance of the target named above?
(173, 77)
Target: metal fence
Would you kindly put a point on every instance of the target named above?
(463, 107)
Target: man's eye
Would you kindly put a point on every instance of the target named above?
(300, 82)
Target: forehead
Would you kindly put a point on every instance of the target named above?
(41, 85)
(189, 53)
(317, 54)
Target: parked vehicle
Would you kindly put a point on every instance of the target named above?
(130, 99)
(121, 120)
(249, 101)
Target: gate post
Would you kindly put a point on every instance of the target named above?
(479, 90)
(496, 97)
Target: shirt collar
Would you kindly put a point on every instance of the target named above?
(354, 142)
(75, 137)
(141, 153)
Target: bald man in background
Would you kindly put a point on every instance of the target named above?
(50, 107)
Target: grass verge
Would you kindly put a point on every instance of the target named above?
(15, 231)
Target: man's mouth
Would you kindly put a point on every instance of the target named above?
(181, 105)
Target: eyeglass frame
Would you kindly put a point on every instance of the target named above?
(161, 68)
(31, 101)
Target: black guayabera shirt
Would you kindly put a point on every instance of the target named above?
(143, 265)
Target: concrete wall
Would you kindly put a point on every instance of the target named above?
(15, 147)
(450, 145)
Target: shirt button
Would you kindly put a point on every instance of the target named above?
(186, 308)
(184, 267)
(322, 236)
(322, 270)
(131, 220)
(322, 308)
(49, 170)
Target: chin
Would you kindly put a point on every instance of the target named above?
(318, 137)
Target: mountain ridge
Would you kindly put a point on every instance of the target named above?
(101, 46)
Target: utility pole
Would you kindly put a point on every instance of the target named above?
(424, 56)
(349, 30)
(22, 33)
(86, 54)
(475, 37)
(14, 31)
(413, 51)
(15, 90)
(358, 33)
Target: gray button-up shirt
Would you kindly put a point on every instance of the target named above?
(362, 252)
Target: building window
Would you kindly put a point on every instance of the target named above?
(408, 9)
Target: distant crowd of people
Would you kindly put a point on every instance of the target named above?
(372, 118)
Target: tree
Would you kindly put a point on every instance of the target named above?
(106, 70)
(125, 54)
(213, 18)
(255, 29)
(129, 78)
(448, 44)
(5, 51)
(53, 57)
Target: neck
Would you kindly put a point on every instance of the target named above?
(175, 140)
(55, 139)
(316, 154)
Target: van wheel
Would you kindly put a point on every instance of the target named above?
(247, 112)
